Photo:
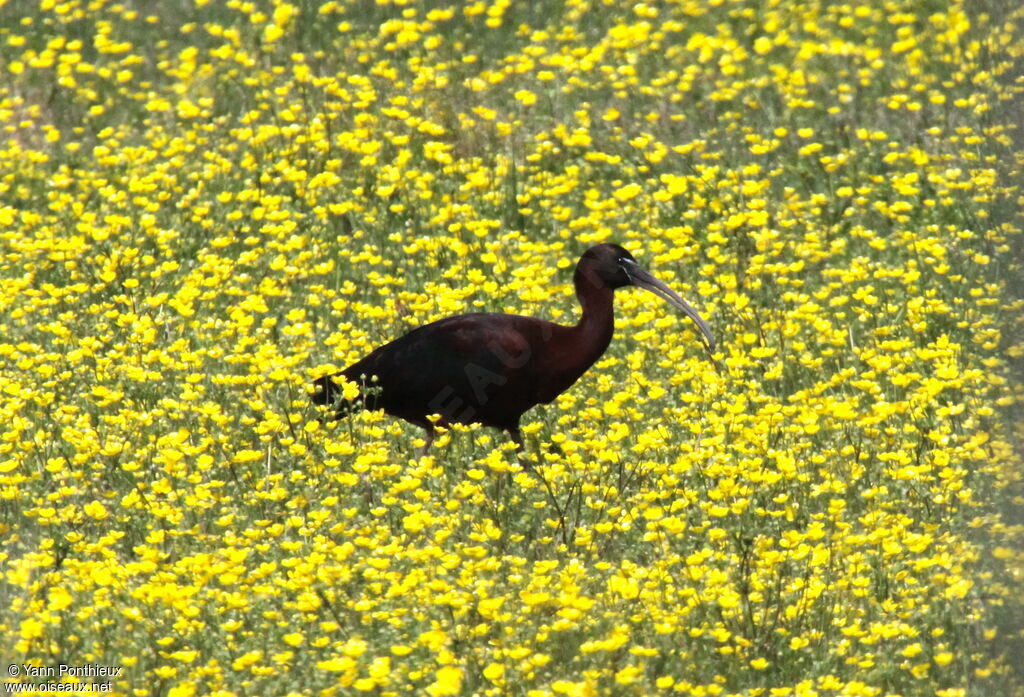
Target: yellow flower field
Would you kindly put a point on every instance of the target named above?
(206, 204)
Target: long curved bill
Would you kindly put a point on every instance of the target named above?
(641, 278)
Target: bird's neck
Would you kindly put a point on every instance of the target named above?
(595, 328)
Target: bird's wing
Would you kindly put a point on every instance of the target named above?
(466, 368)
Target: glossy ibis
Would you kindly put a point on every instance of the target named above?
(490, 368)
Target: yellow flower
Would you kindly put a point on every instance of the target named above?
(448, 681)
(762, 45)
(627, 192)
(525, 97)
(95, 509)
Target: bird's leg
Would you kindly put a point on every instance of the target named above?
(428, 439)
(516, 437)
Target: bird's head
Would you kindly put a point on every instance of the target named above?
(612, 266)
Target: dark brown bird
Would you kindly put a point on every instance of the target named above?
(490, 368)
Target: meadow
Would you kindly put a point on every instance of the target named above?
(206, 205)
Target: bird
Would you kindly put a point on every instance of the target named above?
(491, 368)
